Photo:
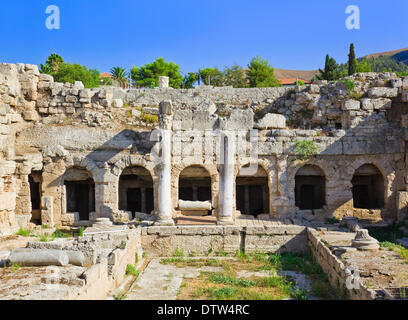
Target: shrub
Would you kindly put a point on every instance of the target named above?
(149, 118)
(305, 149)
(350, 85)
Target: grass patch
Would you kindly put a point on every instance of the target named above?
(79, 233)
(400, 250)
(60, 234)
(226, 285)
(23, 233)
(132, 271)
(230, 280)
(14, 267)
(320, 286)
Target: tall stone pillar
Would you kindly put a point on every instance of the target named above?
(163, 82)
(106, 197)
(164, 216)
(227, 178)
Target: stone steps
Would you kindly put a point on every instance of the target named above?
(105, 222)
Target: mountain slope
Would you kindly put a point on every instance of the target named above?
(387, 53)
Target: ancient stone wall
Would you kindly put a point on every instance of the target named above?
(191, 240)
(53, 127)
(339, 276)
(107, 255)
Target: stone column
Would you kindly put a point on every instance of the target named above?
(106, 193)
(163, 82)
(143, 199)
(164, 217)
(227, 179)
(195, 193)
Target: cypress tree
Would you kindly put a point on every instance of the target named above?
(352, 63)
(331, 70)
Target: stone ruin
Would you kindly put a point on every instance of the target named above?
(70, 155)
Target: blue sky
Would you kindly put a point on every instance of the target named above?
(293, 34)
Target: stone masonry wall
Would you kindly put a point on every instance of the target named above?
(51, 127)
(164, 241)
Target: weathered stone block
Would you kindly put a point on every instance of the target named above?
(272, 121)
(30, 115)
(351, 105)
(117, 103)
(376, 104)
(7, 201)
(383, 92)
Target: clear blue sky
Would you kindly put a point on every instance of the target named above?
(195, 34)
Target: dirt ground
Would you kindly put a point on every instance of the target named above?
(8, 243)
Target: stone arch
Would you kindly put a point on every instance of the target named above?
(133, 160)
(136, 190)
(253, 192)
(211, 171)
(368, 187)
(78, 191)
(310, 187)
(325, 166)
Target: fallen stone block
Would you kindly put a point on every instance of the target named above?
(76, 258)
(194, 205)
(39, 258)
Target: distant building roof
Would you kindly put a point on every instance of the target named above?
(290, 81)
(105, 75)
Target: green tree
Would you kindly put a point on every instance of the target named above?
(299, 83)
(234, 76)
(45, 68)
(261, 74)
(54, 61)
(363, 66)
(211, 76)
(331, 70)
(75, 72)
(189, 80)
(120, 75)
(148, 75)
(352, 62)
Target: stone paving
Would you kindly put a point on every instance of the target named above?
(162, 282)
(242, 221)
